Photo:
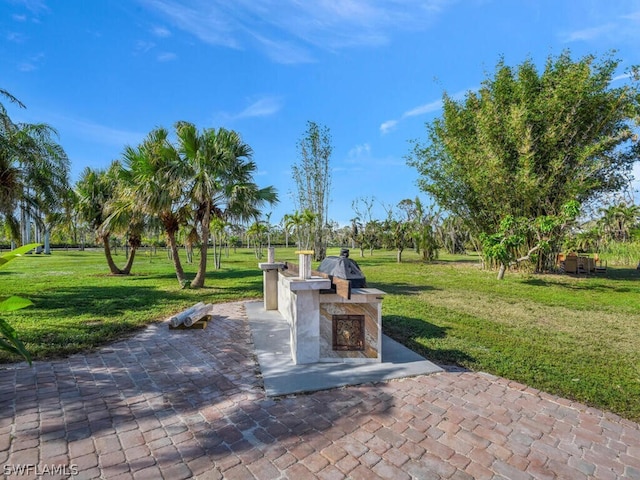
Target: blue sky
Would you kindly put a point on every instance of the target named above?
(106, 72)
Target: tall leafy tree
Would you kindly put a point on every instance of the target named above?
(312, 176)
(528, 143)
(398, 234)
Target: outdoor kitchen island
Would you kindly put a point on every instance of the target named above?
(332, 315)
(323, 330)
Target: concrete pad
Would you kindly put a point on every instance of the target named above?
(281, 376)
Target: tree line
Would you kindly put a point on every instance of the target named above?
(510, 171)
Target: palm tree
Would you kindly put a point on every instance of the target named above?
(95, 189)
(157, 178)
(34, 172)
(618, 220)
(302, 225)
(124, 216)
(218, 181)
(258, 232)
(218, 234)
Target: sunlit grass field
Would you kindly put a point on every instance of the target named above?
(575, 336)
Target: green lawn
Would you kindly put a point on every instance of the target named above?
(578, 337)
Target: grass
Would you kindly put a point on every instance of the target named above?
(578, 337)
(78, 305)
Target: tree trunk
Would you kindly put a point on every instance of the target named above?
(198, 281)
(173, 249)
(399, 256)
(501, 271)
(320, 251)
(47, 241)
(107, 253)
(127, 268)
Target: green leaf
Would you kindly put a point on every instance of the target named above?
(11, 343)
(16, 252)
(14, 303)
(6, 257)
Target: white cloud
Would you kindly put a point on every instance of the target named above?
(81, 128)
(360, 150)
(16, 37)
(19, 18)
(161, 32)
(433, 106)
(31, 64)
(201, 19)
(27, 67)
(282, 51)
(263, 107)
(422, 109)
(621, 28)
(361, 158)
(143, 46)
(387, 126)
(167, 57)
(288, 31)
(634, 16)
(624, 76)
(34, 6)
(258, 107)
(588, 34)
(101, 134)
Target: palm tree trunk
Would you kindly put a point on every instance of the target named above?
(198, 281)
(107, 253)
(127, 268)
(173, 248)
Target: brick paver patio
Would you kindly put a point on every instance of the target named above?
(189, 404)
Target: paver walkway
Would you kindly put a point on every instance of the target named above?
(189, 404)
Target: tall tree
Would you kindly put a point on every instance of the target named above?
(312, 176)
(94, 190)
(219, 181)
(124, 216)
(157, 178)
(526, 144)
(618, 220)
(34, 172)
(302, 226)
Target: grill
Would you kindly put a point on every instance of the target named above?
(344, 268)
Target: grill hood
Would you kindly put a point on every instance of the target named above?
(345, 268)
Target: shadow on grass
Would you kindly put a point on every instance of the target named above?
(470, 260)
(212, 275)
(594, 282)
(417, 334)
(103, 301)
(402, 288)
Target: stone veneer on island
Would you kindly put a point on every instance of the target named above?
(366, 302)
(310, 312)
